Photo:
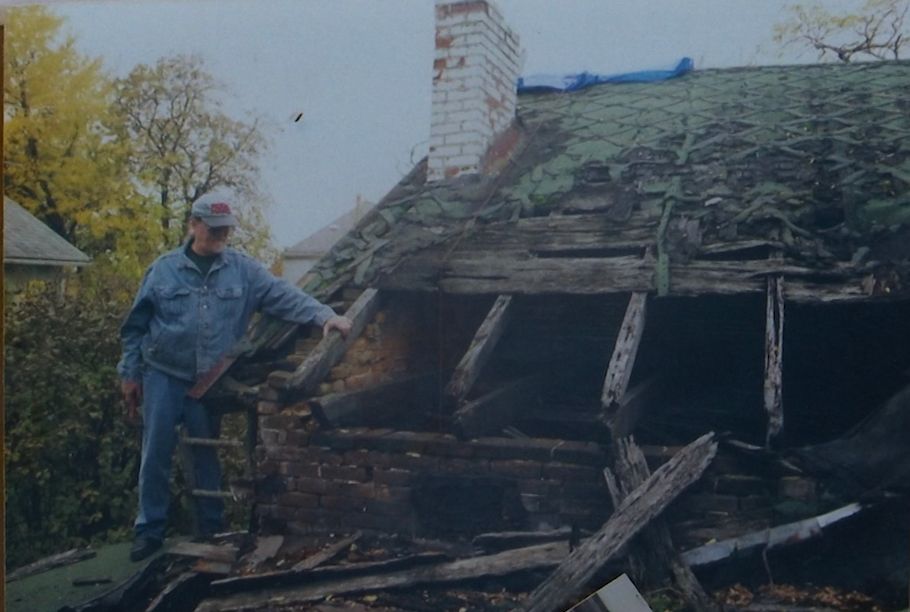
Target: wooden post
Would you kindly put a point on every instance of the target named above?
(620, 369)
(774, 347)
(330, 349)
(481, 349)
(637, 510)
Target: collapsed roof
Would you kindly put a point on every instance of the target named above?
(703, 184)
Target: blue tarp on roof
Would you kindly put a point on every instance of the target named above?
(574, 82)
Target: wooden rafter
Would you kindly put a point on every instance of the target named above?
(619, 371)
(774, 346)
(480, 350)
(329, 351)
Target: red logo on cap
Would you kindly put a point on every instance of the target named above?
(220, 208)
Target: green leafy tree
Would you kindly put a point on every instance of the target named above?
(71, 461)
(184, 146)
(877, 30)
(62, 159)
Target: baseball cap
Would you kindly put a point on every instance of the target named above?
(215, 210)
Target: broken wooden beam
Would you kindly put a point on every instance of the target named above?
(654, 557)
(304, 380)
(619, 371)
(212, 552)
(376, 405)
(266, 548)
(624, 351)
(327, 554)
(637, 510)
(500, 564)
(48, 563)
(480, 349)
(487, 415)
(774, 347)
(503, 540)
(773, 537)
(292, 577)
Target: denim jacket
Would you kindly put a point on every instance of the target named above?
(182, 323)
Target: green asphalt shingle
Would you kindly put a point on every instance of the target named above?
(813, 159)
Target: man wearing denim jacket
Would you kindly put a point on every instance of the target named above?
(193, 306)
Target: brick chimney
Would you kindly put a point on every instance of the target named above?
(475, 73)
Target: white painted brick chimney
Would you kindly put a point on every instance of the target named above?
(474, 78)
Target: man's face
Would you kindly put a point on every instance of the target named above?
(208, 240)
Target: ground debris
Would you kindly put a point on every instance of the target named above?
(738, 597)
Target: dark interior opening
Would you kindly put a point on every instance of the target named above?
(703, 356)
(841, 363)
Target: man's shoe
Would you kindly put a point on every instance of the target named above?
(143, 547)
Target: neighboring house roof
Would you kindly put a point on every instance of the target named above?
(806, 164)
(318, 243)
(26, 240)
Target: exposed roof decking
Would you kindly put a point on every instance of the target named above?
(811, 163)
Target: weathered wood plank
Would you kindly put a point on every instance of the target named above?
(513, 539)
(774, 349)
(48, 563)
(773, 537)
(654, 557)
(500, 564)
(487, 415)
(291, 577)
(506, 273)
(330, 349)
(327, 554)
(266, 548)
(211, 552)
(480, 350)
(619, 371)
(636, 511)
(373, 406)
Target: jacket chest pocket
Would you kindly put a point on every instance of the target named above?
(174, 301)
(229, 299)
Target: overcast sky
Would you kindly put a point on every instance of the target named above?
(360, 71)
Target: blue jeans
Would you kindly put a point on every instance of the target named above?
(165, 404)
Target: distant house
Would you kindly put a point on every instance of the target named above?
(32, 250)
(299, 258)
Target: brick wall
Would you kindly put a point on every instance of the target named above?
(423, 482)
(427, 483)
(475, 71)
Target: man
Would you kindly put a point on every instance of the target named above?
(194, 304)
